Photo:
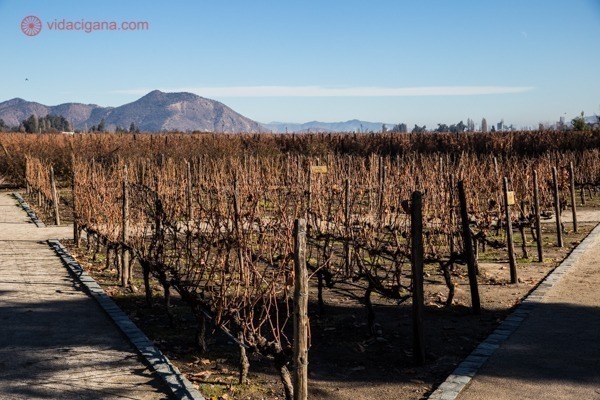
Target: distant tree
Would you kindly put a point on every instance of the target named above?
(484, 125)
(3, 127)
(579, 123)
(400, 128)
(101, 126)
(470, 125)
(442, 128)
(49, 123)
(383, 128)
(493, 129)
(419, 129)
(135, 129)
(35, 125)
(31, 124)
(457, 128)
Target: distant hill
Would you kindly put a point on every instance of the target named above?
(316, 126)
(155, 112)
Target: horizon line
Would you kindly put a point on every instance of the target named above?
(320, 91)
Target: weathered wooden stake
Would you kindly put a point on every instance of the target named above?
(509, 236)
(538, 225)
(27, 186)
(55, 198)
(300, 374)
(572, 187)
(469, 253)
(238, 227)
(347, 259)
(451, 216)
(309, 193)
(380, 189)
(188, 176)
(125, 231)
(559, 238)
(76, 236)
(416, 233)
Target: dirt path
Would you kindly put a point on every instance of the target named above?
(555, 353)
(55, 342)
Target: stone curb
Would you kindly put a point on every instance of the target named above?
(179, 386)
(30, 213)
(462, 375)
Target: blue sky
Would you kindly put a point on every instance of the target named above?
(418, 62)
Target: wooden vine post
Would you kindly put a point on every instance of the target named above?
(538, 225)
(416, 234)
(238, 228)
(309, 193)
(572, 189)
(76, 236)
(451, 216)
(347, 262)
(380, 189)
(188, 178)
(559, 238)
(54, 197)
(509, 234)
(27, 185)
(300, 375)
(125, 231)
(468, 248)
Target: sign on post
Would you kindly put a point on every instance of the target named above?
(318, 169)
(510, 198)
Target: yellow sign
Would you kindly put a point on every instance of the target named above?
(511, 198)
(318, 169)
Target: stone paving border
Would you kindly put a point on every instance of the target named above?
(178, 384)
(461, 376)
(34, 218)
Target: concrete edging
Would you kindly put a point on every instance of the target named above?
(462, 375)
(178, 384)
(30, 213)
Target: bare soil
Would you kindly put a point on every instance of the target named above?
(345, 362)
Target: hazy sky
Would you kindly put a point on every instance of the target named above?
(421, 61)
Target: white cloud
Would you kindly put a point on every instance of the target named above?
(320, 91)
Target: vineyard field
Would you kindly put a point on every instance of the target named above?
(194, 236)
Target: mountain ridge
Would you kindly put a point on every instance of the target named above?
(154, 112)
(353, 125)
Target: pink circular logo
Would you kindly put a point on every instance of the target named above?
(31, 25)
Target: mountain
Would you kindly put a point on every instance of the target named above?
(317, 126)
(16, 110)
(155, 112)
